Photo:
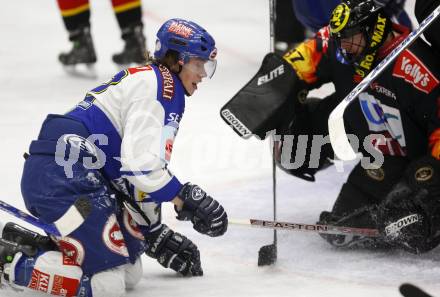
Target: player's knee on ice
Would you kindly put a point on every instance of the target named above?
(133, 274)
(109, 283)
(51, 272)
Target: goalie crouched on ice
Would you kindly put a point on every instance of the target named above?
(396, 120)
(120, 137)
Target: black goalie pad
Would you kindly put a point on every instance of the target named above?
(266, 101)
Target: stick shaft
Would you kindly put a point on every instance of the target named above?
(49, 228)
(312, 228)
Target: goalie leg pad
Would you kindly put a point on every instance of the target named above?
(358, 202)
(409, 215)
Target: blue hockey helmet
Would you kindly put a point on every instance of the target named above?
(189, 40)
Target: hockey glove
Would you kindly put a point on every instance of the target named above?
(206, 214)
(175, 251)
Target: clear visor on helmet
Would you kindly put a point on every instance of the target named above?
(201, 67)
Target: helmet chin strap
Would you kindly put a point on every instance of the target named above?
(374, 41)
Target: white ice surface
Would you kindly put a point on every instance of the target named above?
(207, 152)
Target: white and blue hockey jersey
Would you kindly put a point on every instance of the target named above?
(135, 118)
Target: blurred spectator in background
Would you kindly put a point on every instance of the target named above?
(422, 10)
(288, 30)
(76, 18)
(315, 14)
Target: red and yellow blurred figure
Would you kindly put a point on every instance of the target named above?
(124, 5)
(74, 7)
(70, 8)
(76, 13)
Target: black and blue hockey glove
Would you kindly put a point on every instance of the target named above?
(175, 251)
(206, 214)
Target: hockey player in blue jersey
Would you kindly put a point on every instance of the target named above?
(102, 170)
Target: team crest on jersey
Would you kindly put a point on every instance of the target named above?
(167, 82)
(384, 120)
(73, 251)
(113, 238)
(413, 71)
(131, 226)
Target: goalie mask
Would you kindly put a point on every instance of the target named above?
(359, 28)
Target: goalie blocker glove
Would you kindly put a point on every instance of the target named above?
(175, 251)
(206, 214)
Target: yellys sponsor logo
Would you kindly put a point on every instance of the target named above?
(413, 71)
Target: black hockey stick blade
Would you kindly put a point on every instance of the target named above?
(408, 290)
(267, 255)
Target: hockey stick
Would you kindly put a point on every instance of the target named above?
(267, 255)
(69, 222)
(338, 135)
(408, 290)
(49, 228)
(311, 228)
